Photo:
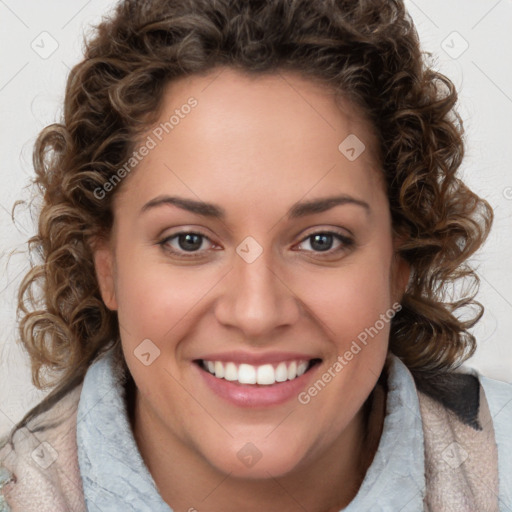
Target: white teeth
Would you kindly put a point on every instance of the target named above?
(230, 372)
(246, 374)
(301, 369)
(281, 372)
(219, 369)
(265, 374)
(292, 370)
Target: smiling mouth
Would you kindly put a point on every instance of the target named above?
(263, 375)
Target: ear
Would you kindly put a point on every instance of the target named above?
(104, 259)
(402, 276)
(401, 271)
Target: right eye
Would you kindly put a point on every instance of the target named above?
(184, 242)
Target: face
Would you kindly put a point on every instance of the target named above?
(252, 266)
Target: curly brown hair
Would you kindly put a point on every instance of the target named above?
(366, 50)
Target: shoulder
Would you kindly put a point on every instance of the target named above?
(41, 458)
(458, 392)
(464, 392)
(468, 430)
(499, 398)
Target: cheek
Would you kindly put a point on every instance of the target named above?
(153, 297)
(349, 299)
(354, 310)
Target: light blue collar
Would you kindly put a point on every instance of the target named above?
(395, 480)
(113, 472)
(115, 476)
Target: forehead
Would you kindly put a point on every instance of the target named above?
(235, 109)
(254, 135)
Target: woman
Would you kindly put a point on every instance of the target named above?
(251, 227)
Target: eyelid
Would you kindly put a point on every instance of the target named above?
(343, 232)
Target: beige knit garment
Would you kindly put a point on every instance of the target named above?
(58, 487)
(461, 463)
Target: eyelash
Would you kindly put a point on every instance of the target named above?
(346, 242)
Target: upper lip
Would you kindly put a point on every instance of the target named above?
(257, 359)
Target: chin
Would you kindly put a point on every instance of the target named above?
(257, 460)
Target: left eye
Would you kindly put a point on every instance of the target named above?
(323, 241)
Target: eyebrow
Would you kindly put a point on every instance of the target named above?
(300, 209)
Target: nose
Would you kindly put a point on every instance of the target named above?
(256, 300)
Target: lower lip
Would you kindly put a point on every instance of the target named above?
(253, 395)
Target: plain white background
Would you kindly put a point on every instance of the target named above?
(470, 41)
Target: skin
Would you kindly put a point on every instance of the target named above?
(255, 147)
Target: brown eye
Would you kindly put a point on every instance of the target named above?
(190, 241)
(184, 242)
(323, 241)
